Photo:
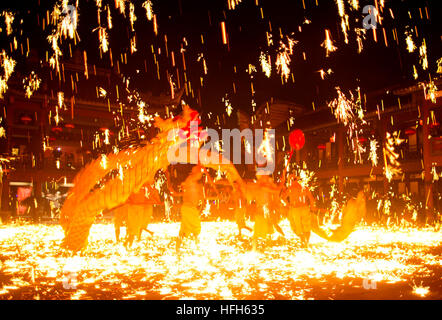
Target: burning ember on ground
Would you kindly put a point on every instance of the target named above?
(405, 263)
(267, 150)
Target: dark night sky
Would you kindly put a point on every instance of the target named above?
(376, 67)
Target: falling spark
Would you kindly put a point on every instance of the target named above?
(328, 43)
(409, 41)
(103, 38)
(121, 4)
(392, 165)
(439, 65)
(343, 108)
(102, 93)
(423, 55)
(430, 91)
(229, 107)
(149, 10)
(266, 64)
(132, 16)
(282, 65)
(373, 153)
(9, 19)
(31, 84)
(8, 65)
(60, 96)
(266, 148)
(233, 3)
(109, 18)
(360, 36)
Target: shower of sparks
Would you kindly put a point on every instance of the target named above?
(283, 58)
(121, 5)
(307, 178)
(221, 268)
(266, 65)
(423, 55)
(54, 60)
(132, 16)
(31, 84)
(354, 4)
(328, 43)
(391, 164)
(360, 37)
(430, 90)
(9, 19)
(228, 106)
(373, 156)
(109, 18)
(8, 65)
(102, 93)
(410, 44)
(266, 148)
(350, 113)
(415, 74)
(103, 38)
(149, 9)
(344, 19)
(233, 3)
(439, 65)
(342, 108)
(60, 97)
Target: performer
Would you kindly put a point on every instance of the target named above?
(192, 193)
(137, 213)
(263, 192)
(301, 202)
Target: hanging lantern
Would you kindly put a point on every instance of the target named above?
(410, 132)
(297, 139)
(25, 119)
(69, 125)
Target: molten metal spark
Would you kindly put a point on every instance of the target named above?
(423, 55)
(373, 156)
(409, 41)
(9, 19)
(328, 43)
(266, 65)
(149, 9)
(31, 84)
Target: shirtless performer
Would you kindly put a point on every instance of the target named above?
(240, 208)
(137, 213)
(263, 192)
(301, 201)
(192, 193)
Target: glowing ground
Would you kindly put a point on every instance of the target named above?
(403, 263)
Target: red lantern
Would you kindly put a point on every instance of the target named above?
(297, 139)
(321, 147)
(410, 132)
(26, 119)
